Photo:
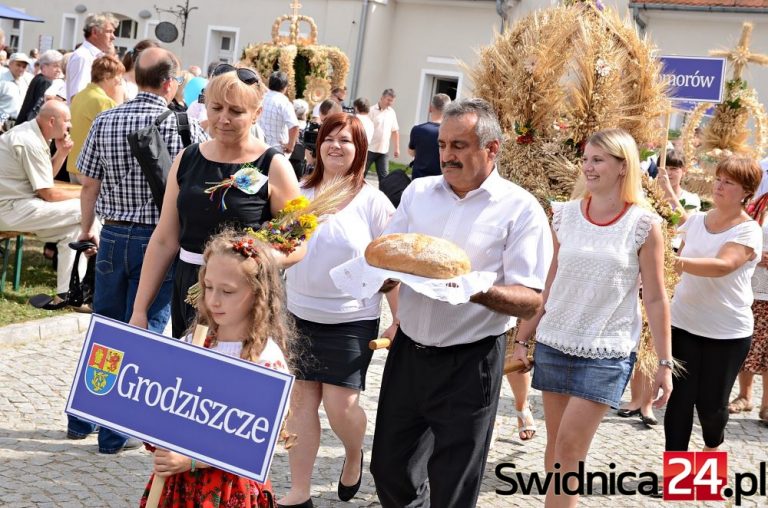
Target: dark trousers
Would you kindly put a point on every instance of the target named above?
(382, 164)
(434, 422)
(711, 367)
(118, 266)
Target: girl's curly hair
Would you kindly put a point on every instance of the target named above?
(269, 317)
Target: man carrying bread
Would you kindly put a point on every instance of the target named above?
(441, 382)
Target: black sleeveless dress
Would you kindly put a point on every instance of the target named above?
(203, 215)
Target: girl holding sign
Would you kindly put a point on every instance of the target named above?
(243, 304)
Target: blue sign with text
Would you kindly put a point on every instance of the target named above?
(217, 409)
(692, 78)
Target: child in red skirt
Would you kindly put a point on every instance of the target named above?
(243, 302)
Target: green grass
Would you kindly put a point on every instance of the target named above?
(37, 276)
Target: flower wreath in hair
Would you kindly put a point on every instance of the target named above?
(246, 247)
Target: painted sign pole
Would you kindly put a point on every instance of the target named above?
(158, 482)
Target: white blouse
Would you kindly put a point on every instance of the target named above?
(272, 357)
(312, 295)
(593, 308)
(716, 307)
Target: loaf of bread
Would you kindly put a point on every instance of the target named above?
(417, 254)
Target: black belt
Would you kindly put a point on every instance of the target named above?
(448, 349)
(110, 222)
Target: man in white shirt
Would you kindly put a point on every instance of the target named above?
(440, 388)
(278, 118)
(99, 30)
(14, 83)
(385, 128)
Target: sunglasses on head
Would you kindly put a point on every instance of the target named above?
(247, 76)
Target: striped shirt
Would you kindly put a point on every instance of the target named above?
(106, 156)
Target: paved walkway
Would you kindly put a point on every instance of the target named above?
(40, 467)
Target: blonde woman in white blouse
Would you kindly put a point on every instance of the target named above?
(606, 242)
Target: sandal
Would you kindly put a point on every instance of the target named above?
(763, 416)
(740, 405)
(526, 424)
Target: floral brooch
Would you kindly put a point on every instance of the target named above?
(247, 179)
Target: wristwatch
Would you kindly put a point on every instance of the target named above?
(667, 363)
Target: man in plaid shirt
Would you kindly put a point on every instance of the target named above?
(278, 118)
(114, 187)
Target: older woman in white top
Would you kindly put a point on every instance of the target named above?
(338, 326)
(605, 242)
(712, 320)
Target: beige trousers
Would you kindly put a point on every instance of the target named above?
(57, 221)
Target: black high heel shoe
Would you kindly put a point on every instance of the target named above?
(346, 493)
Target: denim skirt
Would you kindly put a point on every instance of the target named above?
(601, 380)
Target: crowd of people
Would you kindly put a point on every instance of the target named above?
(573, 287)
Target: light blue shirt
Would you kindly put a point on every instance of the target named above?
(12, 92)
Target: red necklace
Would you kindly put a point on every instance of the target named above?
(612, 221)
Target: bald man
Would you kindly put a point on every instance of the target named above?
(115, 189)
(29, 201)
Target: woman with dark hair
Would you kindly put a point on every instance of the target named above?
(205, 193)
(712, 320)
(129, 62)
(337, 325)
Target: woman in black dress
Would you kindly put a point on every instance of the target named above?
(201, 198)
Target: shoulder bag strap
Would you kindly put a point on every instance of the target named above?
(182, 124)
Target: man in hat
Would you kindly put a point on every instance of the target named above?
(13, 85)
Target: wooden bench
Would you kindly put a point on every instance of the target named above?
(5, 238)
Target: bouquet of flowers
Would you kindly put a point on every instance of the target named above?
(296, 222)
(293, 225)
